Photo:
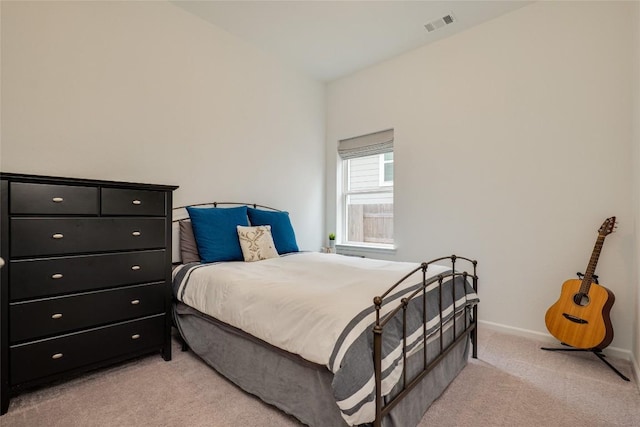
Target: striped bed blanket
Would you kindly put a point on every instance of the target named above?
(319, 306)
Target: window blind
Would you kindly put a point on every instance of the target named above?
(366, 145)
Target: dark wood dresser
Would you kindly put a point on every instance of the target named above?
(87, 279)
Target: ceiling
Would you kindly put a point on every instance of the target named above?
(331, 39)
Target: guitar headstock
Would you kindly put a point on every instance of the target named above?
(608, 226)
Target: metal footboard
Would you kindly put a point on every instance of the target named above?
(470, 319)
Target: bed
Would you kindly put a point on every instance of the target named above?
(332, 340)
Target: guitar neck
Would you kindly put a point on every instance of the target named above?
(591, 268)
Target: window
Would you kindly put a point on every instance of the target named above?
(386, 169)
(366, 211)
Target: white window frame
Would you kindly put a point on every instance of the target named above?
(385, 188)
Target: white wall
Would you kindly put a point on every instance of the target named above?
(146, 92)
(512, 145)
(636, 187)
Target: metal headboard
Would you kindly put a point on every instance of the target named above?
(181, 211)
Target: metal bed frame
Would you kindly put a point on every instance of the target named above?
(382, 408)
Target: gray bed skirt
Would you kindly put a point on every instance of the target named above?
(296, 386)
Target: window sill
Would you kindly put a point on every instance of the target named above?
(351, 249)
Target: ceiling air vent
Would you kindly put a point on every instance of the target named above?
(436, 24)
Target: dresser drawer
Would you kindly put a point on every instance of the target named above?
(35, 278)
(48, 199)
(44, 317)
(56, 355)
(117, 201)
(57, 236)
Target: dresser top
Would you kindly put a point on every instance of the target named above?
(42, 179)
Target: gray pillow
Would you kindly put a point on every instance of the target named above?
(188, 247)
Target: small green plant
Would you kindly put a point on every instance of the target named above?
(332, 236)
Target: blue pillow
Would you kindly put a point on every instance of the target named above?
(281, 228)
(216, 234)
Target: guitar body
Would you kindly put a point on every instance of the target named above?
(580, 319)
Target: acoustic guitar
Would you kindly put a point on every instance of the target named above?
(580, 317)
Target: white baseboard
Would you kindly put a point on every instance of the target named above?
(636, 369)
(609, 351)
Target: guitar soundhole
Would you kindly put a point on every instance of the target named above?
(581, 299)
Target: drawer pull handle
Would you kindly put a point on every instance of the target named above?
(57, 200)
(135, 336)
(56, 276)
(57, 316)
(135, 302)
(58, 236)
(136, 233)
(137, 202)
(57, 356)
(135, 267)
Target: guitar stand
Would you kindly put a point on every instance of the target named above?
(596, 351)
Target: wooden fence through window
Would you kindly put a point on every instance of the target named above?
(371, 223)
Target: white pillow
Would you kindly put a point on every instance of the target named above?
(256, 242)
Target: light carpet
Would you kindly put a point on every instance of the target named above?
(512, 383)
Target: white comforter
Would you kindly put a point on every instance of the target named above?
(300, 303)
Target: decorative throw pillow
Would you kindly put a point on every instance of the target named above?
(188, 248)
(281, 228)
(216, 234)
(257, 243)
